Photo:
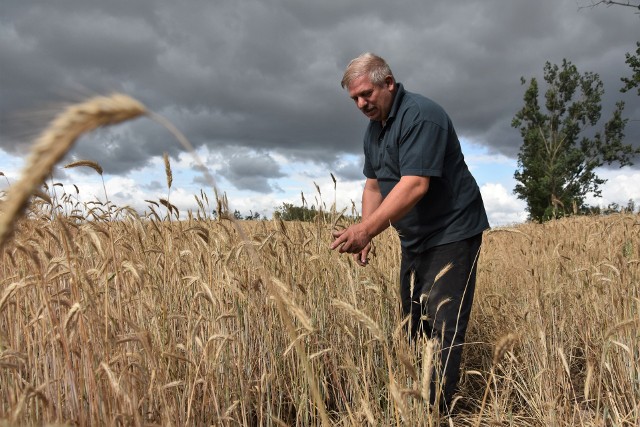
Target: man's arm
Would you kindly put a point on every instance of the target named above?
(371, 197)
(375, 219)
(404, 196)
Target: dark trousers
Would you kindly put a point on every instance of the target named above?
(439, 307)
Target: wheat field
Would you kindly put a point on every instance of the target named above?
(110, 317)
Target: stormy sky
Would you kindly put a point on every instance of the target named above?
(255, 85)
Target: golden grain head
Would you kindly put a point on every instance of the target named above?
(362, 318)
(85, 163)
(428, 351)
(505, 343)
(443, 271)
(42, 195)
(167, 169)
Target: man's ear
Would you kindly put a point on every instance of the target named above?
(390, 82)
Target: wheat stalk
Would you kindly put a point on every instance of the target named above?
(56, 141)
(505, 343)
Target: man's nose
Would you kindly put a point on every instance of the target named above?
(362, 102)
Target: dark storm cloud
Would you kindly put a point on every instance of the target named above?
(154, 186)
(250, 171)
(264, 76)
(349, 171)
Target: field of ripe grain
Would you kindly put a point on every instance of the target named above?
(117, 319)
(108, 317)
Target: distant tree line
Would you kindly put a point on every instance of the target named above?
(285, 212)
(616, 208)
(252, 216)
(291, 212)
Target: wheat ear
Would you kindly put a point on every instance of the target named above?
(87, 163)
(54, 143)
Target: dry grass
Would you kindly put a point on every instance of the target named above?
(108, 318)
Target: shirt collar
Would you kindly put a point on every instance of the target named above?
(397, 100)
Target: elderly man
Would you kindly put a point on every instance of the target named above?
(417, 181)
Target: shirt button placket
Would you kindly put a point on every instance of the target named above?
(381, 147)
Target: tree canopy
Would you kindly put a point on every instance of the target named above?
(561, 146)
(632, 61)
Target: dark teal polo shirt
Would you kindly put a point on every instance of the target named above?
(418, 139)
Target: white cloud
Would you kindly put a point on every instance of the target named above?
(503, 208)
(9, 166)
(622, 185)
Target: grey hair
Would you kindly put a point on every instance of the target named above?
(367, 63)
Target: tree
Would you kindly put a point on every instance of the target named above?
(560, 151)
(289, 212)
(635, 5)
(632, 61)
(253, 216)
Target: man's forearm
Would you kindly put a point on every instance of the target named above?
(371, 198)
(403, 197)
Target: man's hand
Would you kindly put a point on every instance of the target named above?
(362, 257)
(354, 240)
(379, 213)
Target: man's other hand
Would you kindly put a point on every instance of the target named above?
(353, 240)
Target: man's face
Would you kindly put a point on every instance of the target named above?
(374, 101)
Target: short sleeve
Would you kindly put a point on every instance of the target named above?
(422, 149)
(368, 170)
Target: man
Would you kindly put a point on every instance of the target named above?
(417, 181)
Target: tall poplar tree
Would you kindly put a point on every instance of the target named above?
(632, 61)
(561, 146)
